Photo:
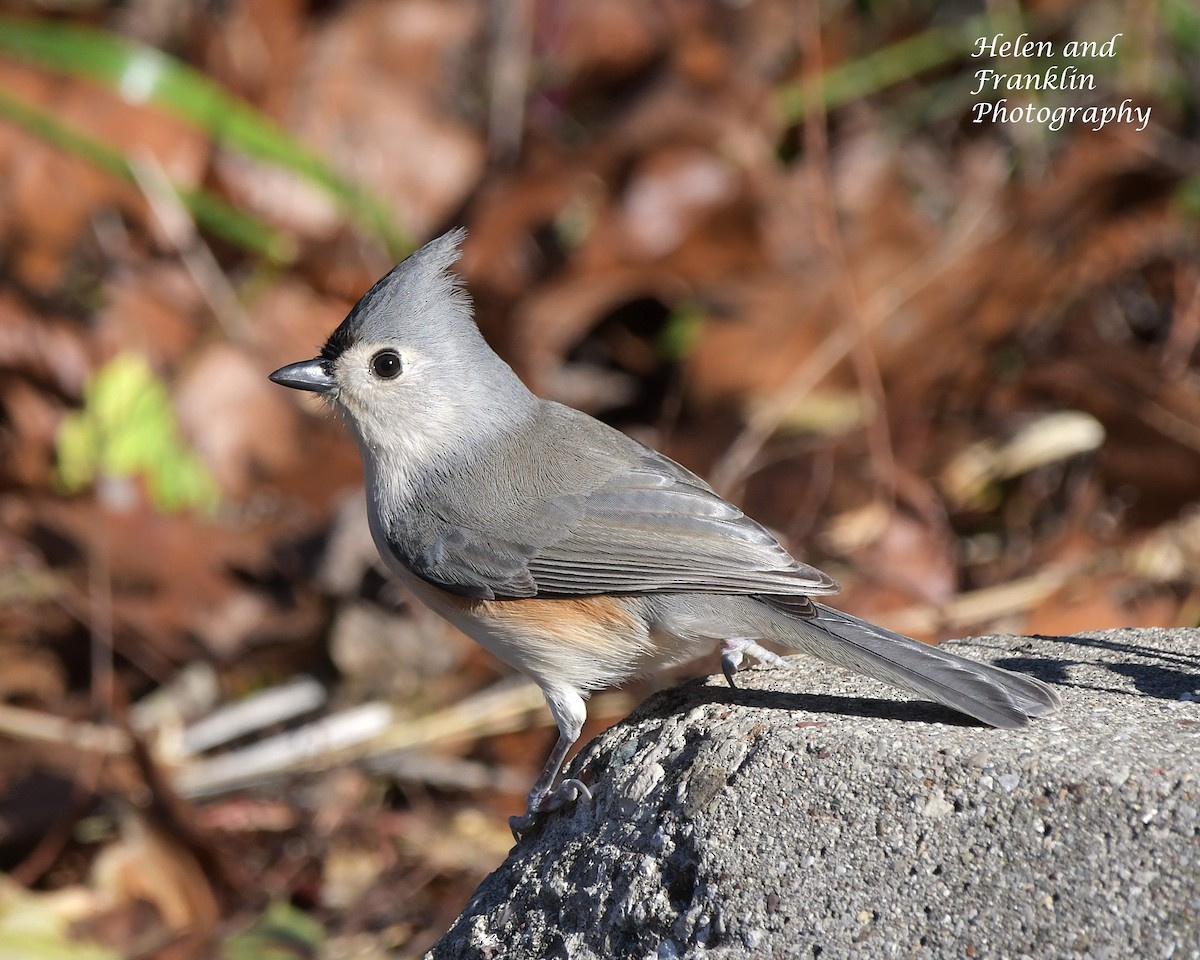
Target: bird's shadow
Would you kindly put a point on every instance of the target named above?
(903, 707)
(697, 692)
(1149, 671)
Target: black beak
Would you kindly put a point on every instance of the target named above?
(305, 375)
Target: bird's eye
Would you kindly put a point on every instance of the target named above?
(386, 364)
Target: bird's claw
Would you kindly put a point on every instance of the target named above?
(735, 649)
(569, 791)
(729, 666)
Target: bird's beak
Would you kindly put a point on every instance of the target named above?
(305, 375)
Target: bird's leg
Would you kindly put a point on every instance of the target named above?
(542, 799)
(733, 649)
(566, 705)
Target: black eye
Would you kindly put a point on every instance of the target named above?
(386, 364)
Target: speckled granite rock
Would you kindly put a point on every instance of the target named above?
(775, 822)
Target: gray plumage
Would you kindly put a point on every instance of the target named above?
(575, 508)
(483, 496)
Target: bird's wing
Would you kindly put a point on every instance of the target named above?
(595, 512)
(645, 531)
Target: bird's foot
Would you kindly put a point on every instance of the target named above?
(734, 649)
(569, 791)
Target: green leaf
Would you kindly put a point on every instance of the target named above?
(77, 459)
(282, 933)
(679, 336)
(127, 428)
(1187, 197)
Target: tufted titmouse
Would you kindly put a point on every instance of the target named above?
(570, 551)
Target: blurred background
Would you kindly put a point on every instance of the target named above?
(954, 364)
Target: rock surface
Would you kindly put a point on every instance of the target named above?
(773, 822)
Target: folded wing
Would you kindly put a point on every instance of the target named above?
(595, 512)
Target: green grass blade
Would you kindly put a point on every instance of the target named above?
(142, 74)
(898, 61)
(208, 210)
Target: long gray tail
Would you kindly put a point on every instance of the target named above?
(995, 696)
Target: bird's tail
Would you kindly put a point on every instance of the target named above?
(995, 696)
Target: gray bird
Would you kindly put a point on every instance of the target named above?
(570, 551)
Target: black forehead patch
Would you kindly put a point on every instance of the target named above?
(338, 343)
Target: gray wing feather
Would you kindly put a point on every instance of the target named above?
(590, 512)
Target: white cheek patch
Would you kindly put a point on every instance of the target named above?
(402, 426)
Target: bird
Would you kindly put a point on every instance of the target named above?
(572, 552)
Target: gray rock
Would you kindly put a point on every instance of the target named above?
(773, 822)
